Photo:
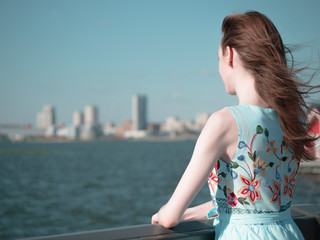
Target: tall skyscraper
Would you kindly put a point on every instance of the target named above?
(139, 112)
(77, 118)
(91, 115)
(90, 129)
(46, 118)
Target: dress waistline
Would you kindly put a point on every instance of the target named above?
(256, 218)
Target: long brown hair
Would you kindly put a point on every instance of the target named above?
(263, 54)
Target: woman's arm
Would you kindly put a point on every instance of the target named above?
(213, 142)
(198, 212)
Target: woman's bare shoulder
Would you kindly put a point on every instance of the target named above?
(221, 133)
(221, 118)
(219, 125)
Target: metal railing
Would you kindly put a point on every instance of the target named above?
(306, 216)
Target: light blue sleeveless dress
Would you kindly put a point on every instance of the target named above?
(252, 194)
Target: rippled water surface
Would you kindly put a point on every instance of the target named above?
(56, 188)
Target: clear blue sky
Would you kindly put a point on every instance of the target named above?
(70, 53)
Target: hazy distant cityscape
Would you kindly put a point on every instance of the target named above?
(86, 126)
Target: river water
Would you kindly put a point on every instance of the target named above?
(56, 188)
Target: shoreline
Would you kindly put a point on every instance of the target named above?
(182, 137)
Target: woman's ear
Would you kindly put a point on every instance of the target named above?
(230, 56)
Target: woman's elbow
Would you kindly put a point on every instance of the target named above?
(168, 217)
(168, 220)
(168, 223)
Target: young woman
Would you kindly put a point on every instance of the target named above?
(249, 154)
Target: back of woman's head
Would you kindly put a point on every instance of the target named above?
(262, 53)
(254, 36)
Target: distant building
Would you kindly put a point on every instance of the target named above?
(91, 115)
(154, 128)
(109, 129)
(188, 126)
(88, 133)
(139, 118)
(91, 128)
(201, 120)
(126, 126)
(139, 112)
(174, 127)
(172, 124)
(77, 119)
(46, 118)
(69, 132)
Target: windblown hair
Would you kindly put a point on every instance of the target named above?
(263, 54)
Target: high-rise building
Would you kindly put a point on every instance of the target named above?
(91, 115)
(90, 129)
(46, 118)
(139, 112)
(77, 118)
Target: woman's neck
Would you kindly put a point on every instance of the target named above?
(246, 91)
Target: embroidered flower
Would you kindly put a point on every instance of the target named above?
(284, 144)
(232, 199)
(234, 175)
(289, 184)
(276, 192)
(213, 181)
(260, 166)
(272, 147)
(250, 189)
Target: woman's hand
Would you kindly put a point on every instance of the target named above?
(155, 219)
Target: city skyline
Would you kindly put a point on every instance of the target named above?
(72, 53)
(90, 116)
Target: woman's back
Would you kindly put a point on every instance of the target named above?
(253, 193)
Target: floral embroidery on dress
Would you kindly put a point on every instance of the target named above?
(272, 147)
(289, 184)
(276, 192)
(254, 168)
(232, 199)
(284, 144)
(234, 175)
(260, 167)
(250, 189)
(213, 181)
